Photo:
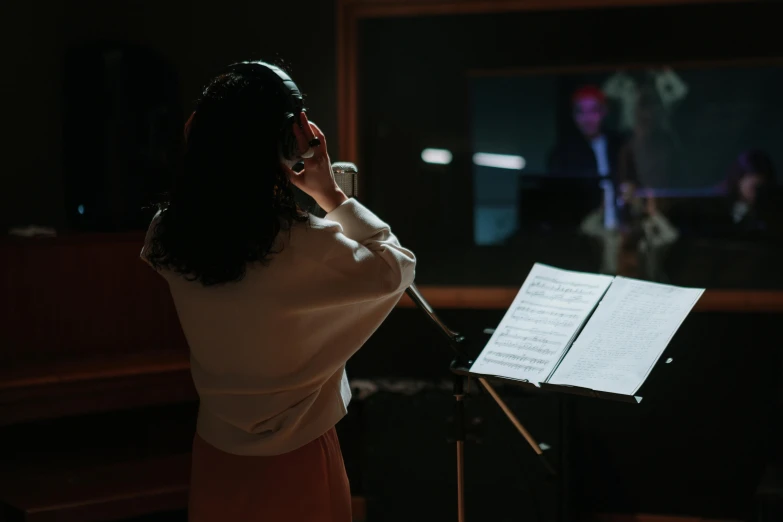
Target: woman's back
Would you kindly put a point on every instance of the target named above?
(268, 352)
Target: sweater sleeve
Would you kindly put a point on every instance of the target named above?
(366, 256)
(355, 273)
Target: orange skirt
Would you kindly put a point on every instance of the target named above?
(308, 484)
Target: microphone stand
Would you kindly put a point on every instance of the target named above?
(459, 368)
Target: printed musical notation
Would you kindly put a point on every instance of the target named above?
(528, 343)
(561, 290)
(626, 335)
(518, 358)
(548, 311)
(542, 316)
(516, 367)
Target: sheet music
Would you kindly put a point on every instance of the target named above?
(626, 335)
(546, 314)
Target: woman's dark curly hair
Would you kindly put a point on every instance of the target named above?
(232, 196)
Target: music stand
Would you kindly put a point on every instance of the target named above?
(460, 369)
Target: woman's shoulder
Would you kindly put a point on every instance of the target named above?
(316, 239)
(319, 223)
(316, 230)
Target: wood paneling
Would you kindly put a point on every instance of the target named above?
(82, 295)
(62, 387)
(85, 327)
(109, 492)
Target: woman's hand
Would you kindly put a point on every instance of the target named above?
(316, 179)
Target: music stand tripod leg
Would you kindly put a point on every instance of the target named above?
(459, 425)
(517, 424)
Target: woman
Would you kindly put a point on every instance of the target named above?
(273, 302)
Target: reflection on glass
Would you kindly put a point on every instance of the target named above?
(661, 174)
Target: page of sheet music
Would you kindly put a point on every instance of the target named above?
(626, 335)
(546, 314)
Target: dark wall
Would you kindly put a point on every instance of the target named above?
(195, 36)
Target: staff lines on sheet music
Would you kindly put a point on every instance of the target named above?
(514, 366)
(557, 286)
(551, 306)
(535, 310)
(519, 358)
(527, 338)
(559, 282)
(575, 298)
(527, 347)
(534, 330)
(637, 322)
(551, 322)
(532, 315)
(558, 289)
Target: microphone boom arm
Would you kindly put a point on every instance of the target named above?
(455, 339)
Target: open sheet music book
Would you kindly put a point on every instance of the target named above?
(591, 331)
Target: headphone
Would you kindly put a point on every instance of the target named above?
(292, 96)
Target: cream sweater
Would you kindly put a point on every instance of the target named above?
(268, 353)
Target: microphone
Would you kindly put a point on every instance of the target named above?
(345, 175)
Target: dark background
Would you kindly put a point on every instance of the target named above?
(196, 38)
(696, 445)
